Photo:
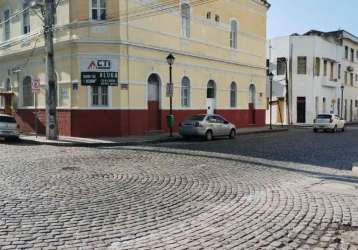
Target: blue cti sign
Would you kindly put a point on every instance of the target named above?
(99, 71)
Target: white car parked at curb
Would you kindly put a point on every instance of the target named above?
(8, 127)
(328, 122)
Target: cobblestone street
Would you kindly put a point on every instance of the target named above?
(179, 195)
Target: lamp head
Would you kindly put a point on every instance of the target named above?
(170, 59)
(270, 76)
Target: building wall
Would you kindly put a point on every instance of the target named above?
(140, 46)
(313, 88)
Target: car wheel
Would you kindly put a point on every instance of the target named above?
(334, 130)
(315, 130)
(232, 134)
(209, 135)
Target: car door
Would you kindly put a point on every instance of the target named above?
(212, 124)
(224, 125)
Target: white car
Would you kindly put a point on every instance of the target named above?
(328, 122)
(8, 127)
(208, 126)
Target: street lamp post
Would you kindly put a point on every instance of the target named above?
(342, 89)
(271, 78)
(170, 60)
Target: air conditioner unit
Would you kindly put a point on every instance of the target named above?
(350, 68)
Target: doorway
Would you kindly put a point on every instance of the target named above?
(154, 116)
(252, 104)
(301, 109)
(210, 97)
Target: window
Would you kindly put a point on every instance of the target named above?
(301, 65)
(185, 92)
(324, 105)
(26, 18)
(217, 18)
(352, 55)
(208, 15)
(346, 52)
(281, 66)
(27, 95)
(356, 77)
(352, 78)
(99, 95)
(356, 103)
(357, 54)
(99, 10)
(7, 25)
(331, 74)
(233, 94)
(317, 105)
(185, 19)
(325, 67)
(233, 34)
(339, 71)
(317, 66)
(210, 92)
(345, 77)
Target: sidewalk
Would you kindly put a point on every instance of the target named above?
(128, 140)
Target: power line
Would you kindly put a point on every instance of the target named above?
(138, 13)
(15, 15)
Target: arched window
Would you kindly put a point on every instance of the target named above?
(185, 92)
(252, 94)
(233, 34)
(7, 85)
(185, 17)
(27, 95)
(210, 93)
(233, 95)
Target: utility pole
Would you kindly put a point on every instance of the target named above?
(51, 93)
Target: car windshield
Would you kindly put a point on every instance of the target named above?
(196, 118)
(324, 116)
(7, 119)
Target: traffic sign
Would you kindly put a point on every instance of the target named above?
(35, 85)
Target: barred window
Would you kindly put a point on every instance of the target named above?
(99, 95)
(185, 92)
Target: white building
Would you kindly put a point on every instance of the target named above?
(309, 73)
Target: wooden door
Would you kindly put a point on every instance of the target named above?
(252, 119)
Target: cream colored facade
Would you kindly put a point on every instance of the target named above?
(138, 35)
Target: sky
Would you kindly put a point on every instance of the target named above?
(299, 16)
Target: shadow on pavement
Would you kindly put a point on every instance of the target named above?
(258, 162)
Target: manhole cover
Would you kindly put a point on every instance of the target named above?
(71, 168)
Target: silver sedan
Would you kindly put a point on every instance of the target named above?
(207, 126)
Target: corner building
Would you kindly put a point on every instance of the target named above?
(112, 74)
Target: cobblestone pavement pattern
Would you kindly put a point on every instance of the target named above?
(160, 198)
